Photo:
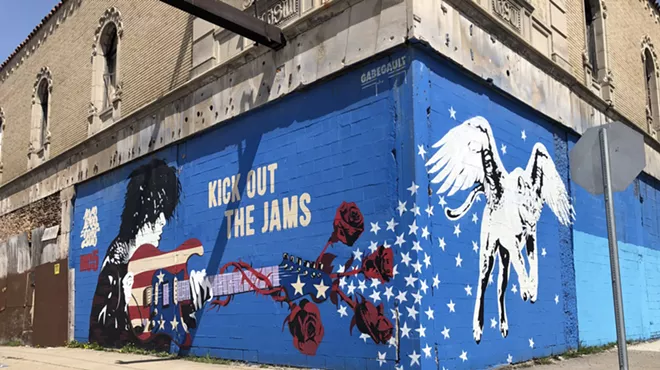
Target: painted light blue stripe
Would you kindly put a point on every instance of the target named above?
(640, 283)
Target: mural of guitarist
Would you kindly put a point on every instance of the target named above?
(151, 198)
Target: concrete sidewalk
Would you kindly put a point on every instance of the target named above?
(27, 358)
(643, 356)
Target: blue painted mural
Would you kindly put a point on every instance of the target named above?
(399, 216)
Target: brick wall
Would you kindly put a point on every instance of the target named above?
(155, 57)
(45, 212)
(576, 37)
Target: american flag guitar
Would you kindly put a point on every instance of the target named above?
(161, 287)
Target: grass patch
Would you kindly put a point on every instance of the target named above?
(14, 343)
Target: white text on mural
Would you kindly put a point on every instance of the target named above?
(278, 214)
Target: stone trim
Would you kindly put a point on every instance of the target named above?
(652, 112)
(111, 15)
(39, 151)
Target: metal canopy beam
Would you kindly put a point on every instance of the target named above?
(234, 20)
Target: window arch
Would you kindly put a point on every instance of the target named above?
(105, 104)
(651, 71)
(41, 114)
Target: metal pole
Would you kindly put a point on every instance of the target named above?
(614, 252)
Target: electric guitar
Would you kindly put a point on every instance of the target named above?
(161, 287)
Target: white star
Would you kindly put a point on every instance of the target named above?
(415, 210)
(342, 282)
(391, 224)
(531, 342)
(405, 330)
(398, 367)
(442, 202)
(381, 358)
(420, 151)
(321, 289)
(174, 323)
(478, 198)
(416, 246)
(413, 228)
(556, 299)
(395, 314)
(414, 358)
(445, 333)
(451, 306)
(430, 313)
(375, 296)
(423, 287)
(362, 286)
(374, 283)
(412, 312)
(351, 288)
(391, 342)
(457, 230)
(160, 277)
(401, 208)
(402, 296)
(463, 356)
(493, 323)
(468, 290)
(503, 148)
(418, 297)
(364, 337)
(341, 268)
(436, 281)
(385, 245)
(421, 330)
(394, 271)
(543, 252)
(509, 358)
(400, 240)
(441, 242)
(342, 311)
(427, 260)
(388, 293)
(458, 260)
(358, 254)
(514, 289)
(413, 188)
(452, 113)
(523, 135)
(417, 266)
(427, 351)
(475, 247)
(429, 210)
(475, 218)
(161, 323)
(373, 246)
(374, 227)
(410, 280)
(405, 258)
(490, 279)
(425, 232)
(298, 286)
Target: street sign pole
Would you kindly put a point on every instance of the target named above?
(614, 251)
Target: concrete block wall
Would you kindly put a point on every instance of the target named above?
(286, 170)
(364, 137)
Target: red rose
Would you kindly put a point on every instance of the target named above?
(306, 327)
(348, 224)
(370, 320)
(379, 265)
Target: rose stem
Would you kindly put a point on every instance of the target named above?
(323, 251)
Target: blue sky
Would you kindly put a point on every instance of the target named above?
(17, 19)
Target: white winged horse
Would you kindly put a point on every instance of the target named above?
(467, 158)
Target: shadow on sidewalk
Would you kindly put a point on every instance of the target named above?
(121, 362)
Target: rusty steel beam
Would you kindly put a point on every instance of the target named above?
(234, 20)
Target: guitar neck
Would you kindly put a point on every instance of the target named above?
(232, 283)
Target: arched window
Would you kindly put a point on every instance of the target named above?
(649, 62)
(105, 106)
(43, 95)
(595, 45)
(109, 49)
(42, 99)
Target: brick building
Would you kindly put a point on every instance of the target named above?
(345, 180)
